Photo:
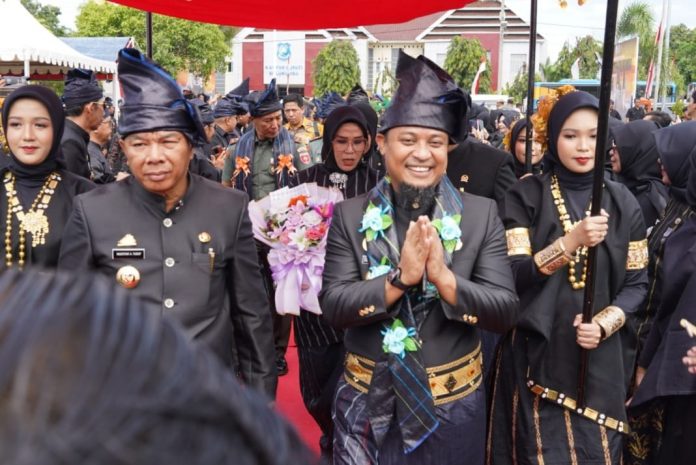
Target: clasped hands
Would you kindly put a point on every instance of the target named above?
(422, 253)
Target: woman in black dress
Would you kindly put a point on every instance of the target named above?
(634, 162)
(515, 143)
(534, 415)
(655, 428)
(345, 151)
(36, 193)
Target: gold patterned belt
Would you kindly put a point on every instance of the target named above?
(448, 382)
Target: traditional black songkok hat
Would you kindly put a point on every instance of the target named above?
(152, 100)
(225, 108)
(357, 94)
(263, 103)
(428, 97)
(204, 110)
(329, 102)
(81, 87)
(239, 92)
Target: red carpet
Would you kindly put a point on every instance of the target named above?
(289, 401)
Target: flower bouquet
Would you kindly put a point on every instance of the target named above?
(294, 223)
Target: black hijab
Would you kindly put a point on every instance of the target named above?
(638, 153)
(29, 178)
(565, 107)
(520, 168)
(676, 145)
(336, 119)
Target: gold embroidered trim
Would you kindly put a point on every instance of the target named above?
(605, 445)
(448, 382)
(518, 241)
(637, 258)
(611, 319)
(552, 258)
(537, 432)
(571, 438)
(571, 404)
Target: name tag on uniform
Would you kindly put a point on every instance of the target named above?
(132, 253)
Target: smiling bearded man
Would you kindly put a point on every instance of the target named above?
(413, 269)
(160, 233)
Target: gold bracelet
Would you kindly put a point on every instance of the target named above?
(552, 258)
(518, 241)
(611, 319)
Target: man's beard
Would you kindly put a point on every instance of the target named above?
(416, 198)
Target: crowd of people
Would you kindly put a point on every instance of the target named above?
(451, 326)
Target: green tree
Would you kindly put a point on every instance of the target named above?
(47, 15)
(517, 89)
(462, 62)
(335, 68)
(586, 49)
(178, 44)
(637, 20)
(683, 51)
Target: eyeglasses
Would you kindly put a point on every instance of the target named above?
(356, 144)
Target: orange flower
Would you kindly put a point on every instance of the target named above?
(300, 198)
(285, 162)
(241, 166)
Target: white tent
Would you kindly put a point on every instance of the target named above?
(28, 48)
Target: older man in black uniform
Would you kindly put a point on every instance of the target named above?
(412, 270)
(84, 112)
(180, 242)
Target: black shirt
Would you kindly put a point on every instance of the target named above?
(75, 154)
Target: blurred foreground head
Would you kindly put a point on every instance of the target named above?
(88, 377)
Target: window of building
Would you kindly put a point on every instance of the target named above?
(518, 62)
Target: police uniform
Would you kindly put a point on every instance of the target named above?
(191, 263)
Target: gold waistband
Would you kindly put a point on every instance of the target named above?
(448, 382)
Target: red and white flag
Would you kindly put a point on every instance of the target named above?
(659, 37)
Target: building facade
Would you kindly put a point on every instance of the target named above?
(262, 54)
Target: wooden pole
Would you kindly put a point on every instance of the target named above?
(531, 67)
(598, 180)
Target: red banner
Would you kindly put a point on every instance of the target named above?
(295, 14)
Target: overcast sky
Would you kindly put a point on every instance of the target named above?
(555, 24)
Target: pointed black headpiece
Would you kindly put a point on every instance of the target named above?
(152, 100)
(427, 97)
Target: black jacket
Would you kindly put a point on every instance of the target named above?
(210, 294)
(75, 155)
(480, 169)
(485, 287)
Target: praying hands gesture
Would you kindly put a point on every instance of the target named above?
(423, 254)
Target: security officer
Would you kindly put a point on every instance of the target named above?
(160, 233)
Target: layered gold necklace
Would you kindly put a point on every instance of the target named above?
(34, 221)
(580, 256)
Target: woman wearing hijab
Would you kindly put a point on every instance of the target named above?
(534, 416)
(516, 143)
(346, 146)
(634, 161)
(651, 415)
(37, 192)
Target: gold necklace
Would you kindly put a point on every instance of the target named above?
(580, 257)
(33, 221)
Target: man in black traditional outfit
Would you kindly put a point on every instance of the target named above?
(225, 114)
(84, 112)
(181, 243)
(412, 270)
(262, 161)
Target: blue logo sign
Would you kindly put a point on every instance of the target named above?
(284, 51)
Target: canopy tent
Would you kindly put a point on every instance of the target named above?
(295, 15)
(27, 48)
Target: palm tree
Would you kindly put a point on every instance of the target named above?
(637, 20)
